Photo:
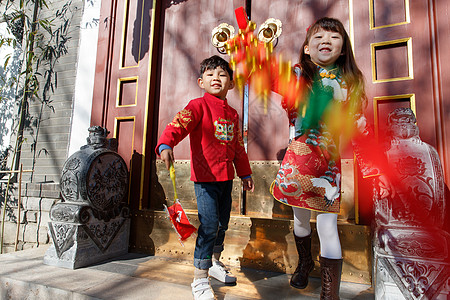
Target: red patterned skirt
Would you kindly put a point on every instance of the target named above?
(307, 158)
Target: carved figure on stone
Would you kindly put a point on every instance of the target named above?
(97, 137)
(402, 125)
(417, 172)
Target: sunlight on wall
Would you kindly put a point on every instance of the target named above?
(85, 75)
(7, 92)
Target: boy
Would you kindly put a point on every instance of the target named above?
(216, 145)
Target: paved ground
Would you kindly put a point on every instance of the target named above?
(136, 276)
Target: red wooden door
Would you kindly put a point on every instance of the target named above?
(397, 47)
(123, 93)
(396, 43)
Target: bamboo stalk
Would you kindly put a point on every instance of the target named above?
(19, 139)
(4, 213)
(18, 208)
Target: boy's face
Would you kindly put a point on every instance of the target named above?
(216, 82)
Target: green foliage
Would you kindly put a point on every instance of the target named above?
(43, 41)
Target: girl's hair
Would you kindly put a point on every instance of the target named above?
(351, 74)
(211, 63)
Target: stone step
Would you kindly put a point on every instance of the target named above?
(136, 276)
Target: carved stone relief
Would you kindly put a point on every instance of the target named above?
(411, 248)
(92, 216)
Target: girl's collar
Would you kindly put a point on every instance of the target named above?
(331, 73)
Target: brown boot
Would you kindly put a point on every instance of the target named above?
(331, 278)
(305, 265)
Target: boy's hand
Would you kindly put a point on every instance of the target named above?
(248, 184)
(167, 157)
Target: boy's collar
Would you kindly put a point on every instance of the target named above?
(210, 97)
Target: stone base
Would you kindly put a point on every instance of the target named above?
(79, 245)
(411, 263)
(427, 280)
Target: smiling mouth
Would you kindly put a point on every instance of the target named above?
(325, 50)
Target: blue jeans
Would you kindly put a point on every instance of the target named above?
(214, 206)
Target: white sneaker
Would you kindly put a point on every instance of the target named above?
(221, 273)
(201, 289)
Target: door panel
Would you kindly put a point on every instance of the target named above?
(392, 46)
(122, 94)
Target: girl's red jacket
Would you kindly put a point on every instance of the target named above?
(215, 139)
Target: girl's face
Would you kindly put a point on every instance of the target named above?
(324, 47)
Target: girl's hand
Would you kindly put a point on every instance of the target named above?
(167, 157)
(385, 186)
(248, 184)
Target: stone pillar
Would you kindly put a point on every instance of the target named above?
(411, 245)
(91, 223)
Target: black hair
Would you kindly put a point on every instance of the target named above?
(213, 62)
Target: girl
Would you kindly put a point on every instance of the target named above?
(309, 176)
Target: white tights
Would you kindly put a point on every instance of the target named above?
(330, 246)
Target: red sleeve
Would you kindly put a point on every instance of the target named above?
(293, 88)
(182, 124)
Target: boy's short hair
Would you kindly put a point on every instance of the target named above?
(213, 62)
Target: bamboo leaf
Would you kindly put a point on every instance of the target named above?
(7, 61)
